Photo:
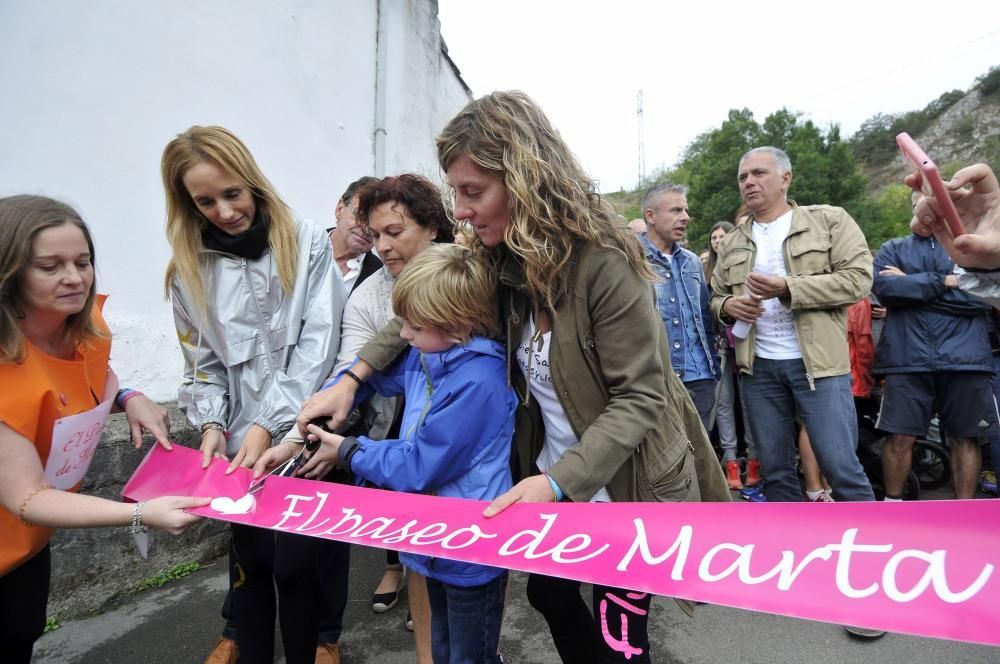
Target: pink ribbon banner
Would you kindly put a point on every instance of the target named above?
(926, 568)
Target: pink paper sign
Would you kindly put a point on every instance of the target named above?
(75, 439)
(74, 442)
(926, 568)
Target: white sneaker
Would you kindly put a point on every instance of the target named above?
(823, 497)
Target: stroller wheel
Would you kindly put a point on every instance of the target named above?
(932, 464)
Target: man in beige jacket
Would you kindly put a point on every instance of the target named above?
(789, 276)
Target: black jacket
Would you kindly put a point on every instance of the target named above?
(929, 327)
(369, 266)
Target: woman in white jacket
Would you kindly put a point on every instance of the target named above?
(257, 304)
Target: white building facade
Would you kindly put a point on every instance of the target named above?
(322, 92)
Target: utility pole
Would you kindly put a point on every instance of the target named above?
(642, 143)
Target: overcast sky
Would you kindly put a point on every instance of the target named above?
(835, 62)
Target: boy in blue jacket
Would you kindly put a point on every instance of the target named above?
(455, 433)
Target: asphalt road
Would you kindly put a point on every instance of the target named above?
(179, 623)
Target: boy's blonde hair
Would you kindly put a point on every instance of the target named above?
(448, 287)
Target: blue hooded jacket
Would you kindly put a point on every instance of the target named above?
(455, 437)
(929, 327)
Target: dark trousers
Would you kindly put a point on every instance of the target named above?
(702, 393)
(615, 632)
(329, 574)
(24, 595)
(300, 568)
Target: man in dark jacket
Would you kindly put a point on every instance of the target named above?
(351, 242)
(935, 354)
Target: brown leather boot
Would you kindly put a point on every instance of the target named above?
(328, 653)
(226, 652)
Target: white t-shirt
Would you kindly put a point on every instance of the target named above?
(353, 270)
(533, 358)
(775, 338)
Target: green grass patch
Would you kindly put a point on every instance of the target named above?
(178, 571)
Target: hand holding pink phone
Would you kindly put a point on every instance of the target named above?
(932, 184)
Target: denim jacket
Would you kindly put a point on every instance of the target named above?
(683, 306)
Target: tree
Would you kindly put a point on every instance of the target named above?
(989, 82)
(712, 161)
(885, 215)
(874, 142)
(779, 127)
(824, 170)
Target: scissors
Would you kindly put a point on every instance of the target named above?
(288, 468)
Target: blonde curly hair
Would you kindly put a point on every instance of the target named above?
(553, 202)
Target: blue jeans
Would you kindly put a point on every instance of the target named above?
(465, 621)
(775, 395)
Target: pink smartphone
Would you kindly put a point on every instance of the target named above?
(931, 182)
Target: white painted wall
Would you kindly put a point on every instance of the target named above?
(93, 92)
(417, 70)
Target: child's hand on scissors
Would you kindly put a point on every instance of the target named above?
(324, 459)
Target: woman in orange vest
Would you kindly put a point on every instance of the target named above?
(57, 389)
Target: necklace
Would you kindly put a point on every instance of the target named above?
(538, 340)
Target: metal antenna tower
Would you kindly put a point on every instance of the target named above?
(642, 143)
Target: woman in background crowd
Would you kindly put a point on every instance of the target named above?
(728, 392)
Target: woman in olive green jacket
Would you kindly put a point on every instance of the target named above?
(603, 415)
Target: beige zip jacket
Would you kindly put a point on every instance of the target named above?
(829, 268)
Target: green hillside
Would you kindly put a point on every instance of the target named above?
(862, 173)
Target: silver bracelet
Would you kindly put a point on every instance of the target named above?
(212, 426)
(137, 526)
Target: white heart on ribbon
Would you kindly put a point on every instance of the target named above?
(226, 505)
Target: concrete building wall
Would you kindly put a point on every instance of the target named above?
(93, 92)
(417, 69)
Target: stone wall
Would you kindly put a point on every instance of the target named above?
(93, 568)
